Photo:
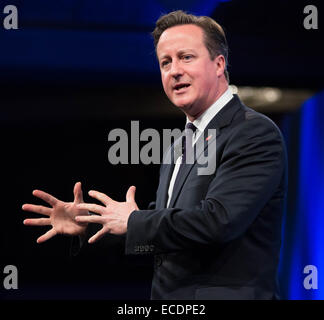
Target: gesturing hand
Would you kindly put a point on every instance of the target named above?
(113, 215)
(61, 216)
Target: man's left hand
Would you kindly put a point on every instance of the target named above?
(113, 215)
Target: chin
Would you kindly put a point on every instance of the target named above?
(182, 103)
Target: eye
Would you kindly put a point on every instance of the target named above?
(187, 57)
(164, 63)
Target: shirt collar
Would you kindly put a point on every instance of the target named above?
(202, 122)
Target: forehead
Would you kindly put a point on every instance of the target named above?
(180, 37)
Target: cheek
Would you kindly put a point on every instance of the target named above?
(196, 76)
(203, 81)
(165, 82)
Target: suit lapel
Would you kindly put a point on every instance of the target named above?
(165, 175)
(222, 119)
(165, 178)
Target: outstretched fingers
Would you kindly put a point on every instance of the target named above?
(98, 235)
(37, 222)
(46, 236)
(90, 219)
(100, 196)
(77, 191)
(91, 207)
(37, 209)
(130, 195)
(46, 197)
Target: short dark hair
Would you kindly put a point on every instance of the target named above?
(215, 40)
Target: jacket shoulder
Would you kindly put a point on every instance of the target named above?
(255, 121)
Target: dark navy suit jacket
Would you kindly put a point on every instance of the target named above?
(220, 237)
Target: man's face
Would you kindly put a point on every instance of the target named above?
(190, 78)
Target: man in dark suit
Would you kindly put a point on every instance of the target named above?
(214, 235)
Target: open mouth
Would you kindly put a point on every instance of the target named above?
(181, 86)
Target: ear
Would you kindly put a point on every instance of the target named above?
(220, 65)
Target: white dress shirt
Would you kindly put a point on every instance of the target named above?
(201, 123)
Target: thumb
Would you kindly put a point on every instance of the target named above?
(130, 195)
(77, 191)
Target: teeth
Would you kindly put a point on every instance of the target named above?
(182, 86)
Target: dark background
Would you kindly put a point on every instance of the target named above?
(73, 71)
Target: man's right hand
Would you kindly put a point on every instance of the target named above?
(61, 215)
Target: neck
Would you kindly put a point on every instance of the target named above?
(193, 116)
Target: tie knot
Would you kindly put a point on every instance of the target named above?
(191, 126)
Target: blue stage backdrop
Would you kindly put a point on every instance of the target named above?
(302, 254)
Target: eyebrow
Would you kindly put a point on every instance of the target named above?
(180, 52)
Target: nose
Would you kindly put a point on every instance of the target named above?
(176, 70)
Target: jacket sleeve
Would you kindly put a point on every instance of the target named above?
(78, 243)
(247, 176)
